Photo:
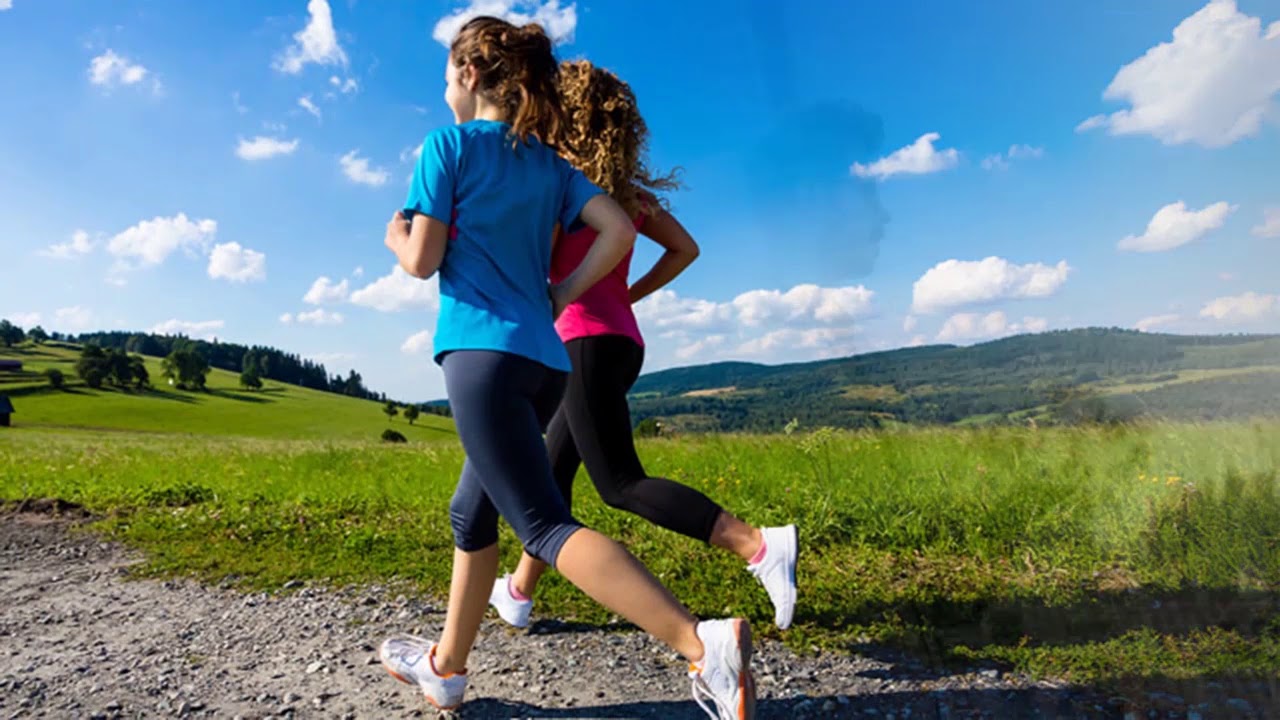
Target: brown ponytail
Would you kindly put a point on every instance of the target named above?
(517, 71)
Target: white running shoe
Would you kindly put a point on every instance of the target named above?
(411, 659)
(723, 678)
(777, 571)
(515, 612)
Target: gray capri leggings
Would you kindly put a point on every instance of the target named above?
(501, 405)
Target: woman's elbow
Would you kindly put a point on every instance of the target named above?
(420, 267)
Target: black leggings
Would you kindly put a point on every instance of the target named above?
(501, 404)
(593, 426)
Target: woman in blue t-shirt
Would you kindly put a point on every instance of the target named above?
(486, 196)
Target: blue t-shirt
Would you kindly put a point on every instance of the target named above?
(502, 205)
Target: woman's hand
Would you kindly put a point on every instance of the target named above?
(397, 232)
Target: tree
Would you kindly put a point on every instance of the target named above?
(187, 368)
(250, 379)
(37, 335)
(119, 370)
(391, 410)
(411, 413)
(56, 379)
(138, 369)
(93, 366)
(10, 334)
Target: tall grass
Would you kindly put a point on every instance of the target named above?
(1004, 543)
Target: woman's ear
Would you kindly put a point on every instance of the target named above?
(468, 76)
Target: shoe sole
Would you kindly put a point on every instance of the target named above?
(746, 681)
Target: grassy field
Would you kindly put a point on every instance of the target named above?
(277, 411)
(1095, 554)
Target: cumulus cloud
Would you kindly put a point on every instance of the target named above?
(357, 170)
(230, 261)
(398, 290)
(1212, 84)
(757, 324)
(316, 43)
(150, 242)
(349, 85)
(6, 5)
(1174, 226)
(1270, 227)
(1147, 324)
(110, 70)
(319, 316)
(558, 21)
(74, 318)
(416, 343)
(976, 326)
(955, 283)
(262, 148)
(305, 103)
(1002, 161)
(324, 290)
(918, 158)
(1245, 308)
(79, 245)
(203, 329)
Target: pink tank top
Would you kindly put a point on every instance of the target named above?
(605, 309)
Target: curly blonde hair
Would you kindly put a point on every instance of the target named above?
(606, 137)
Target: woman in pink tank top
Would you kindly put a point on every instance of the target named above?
(593, 424)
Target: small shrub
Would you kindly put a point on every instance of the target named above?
(181, 495)
(392, 436)
(56, 378)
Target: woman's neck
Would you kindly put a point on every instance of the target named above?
(486, 110)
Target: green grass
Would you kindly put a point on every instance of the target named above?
(1095, 554)
(277, 411)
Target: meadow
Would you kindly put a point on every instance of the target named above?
(1095, 554)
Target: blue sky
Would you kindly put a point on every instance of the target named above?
(860, 175)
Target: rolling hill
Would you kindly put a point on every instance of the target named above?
(277, 411)
(1094, 374)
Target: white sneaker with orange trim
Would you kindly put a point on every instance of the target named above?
(514, 612)
(722, 683)
(411, 659)
(777, 571)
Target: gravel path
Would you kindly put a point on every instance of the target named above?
(78, 640)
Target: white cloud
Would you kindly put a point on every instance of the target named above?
(822, 342)
(111, 70)
(305, 103)
(203, 329)
(1226, 276)
(976, 326)
(757, 307)
(1270, 227)
(1147, 324)
(399, 291)
(954, 283)
(150, 242)
(558, 22)
(286, 318)
(317, 43)
(358, 272)
(357, 170)
(24, 319)
(1091, 123)
(74, 318)
(319, 316)
(909, 323)
(698, 347)
(416, 343)
(1174, 226)
(239, 106)
(918, 158)
(262, 148)
(344, 86)
(6, 4)
(1242, 308)
(324, 290)
(1001, 161)
(410, 154)
(80, 244)
(917, 341)
(1212, 84)
(229, 261)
